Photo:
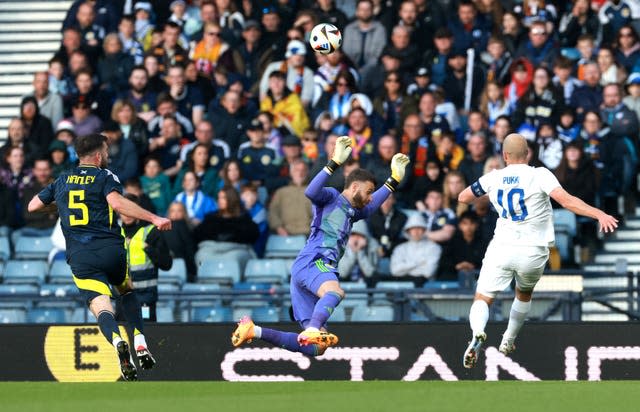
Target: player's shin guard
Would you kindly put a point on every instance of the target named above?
(288, 341)
(323, 309)
(108, 325)
(132, 311)
(519, 311)
(478, 316)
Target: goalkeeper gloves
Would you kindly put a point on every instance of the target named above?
(340, 153)
(399, 163)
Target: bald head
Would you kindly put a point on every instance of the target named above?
(515, 148)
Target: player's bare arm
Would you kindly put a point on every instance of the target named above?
(607, 222)
(36, 205)
(129, 208)
(467, 196)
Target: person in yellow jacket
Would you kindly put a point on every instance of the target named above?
(147, 252)
(284, 105)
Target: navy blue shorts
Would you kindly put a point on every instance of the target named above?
(306, 279)
(94, 270)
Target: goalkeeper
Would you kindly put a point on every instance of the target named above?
(315, 290)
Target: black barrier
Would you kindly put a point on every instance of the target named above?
(380, 351)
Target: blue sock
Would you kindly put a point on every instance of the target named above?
(132, 312)
(108, 325)
(288, 341)
(323, 309)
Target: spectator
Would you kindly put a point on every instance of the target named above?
(540, 49)
(169, 52)
(386, 226)
(549, 146)
(139, 94)
(167, 106)
(421, 83)
(195, 201)
(512, 31)
(463, 254)
(59, 158)
(417, 259)
(106, 14)
(199, 81)
(228, 233)
(284, 105)
(84, 90)
(16, 138)
(156, 185)
(134, 187)
(65, 132)
(420, 29)
(231, 20)
(123, 157)
(230, 120)
(360, 256)
(194, 28)
(441, 221)
(126, 34)
(7, 214)
(212, 51)
(541, 103)
(258, 213)
(586, 49)
(142, 11)
(493, 103)
(563, 78)
(501, 129)
(37, 224)
(257, 159)
(56, 75)
(255, 54)
(628, 50)
(218, 150)
(16, 176)
(401, 46)
(437, 59)
(568, 128)
(453, 184)
(580, 19)
(166, 147)
(133, 128)
(498, 60)
(615, 16)
(180, 239)
(335, 92)
(610, 71)
(49, 103)
(448, 152)
(189, 99)
(393, 105)
(469, 29)
(434, 124)
(198, 161)
(588, 96)
(114, 66)
(84, 122)
(456, 80)
(156, 83)
(290, 209)
(632, 100)
(299, 78)
(38, 129)
(471, 166)
(326, 11)
(71, 42)
(521, 77)
(364, 38)
(336, 180)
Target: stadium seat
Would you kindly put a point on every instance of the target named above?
(435, 285)
(60, 296)
(200, 294)
(284, 246)
(260, 298)
(266, 270)
(564, 244)
(33, 247)
(60, 272)
(265, 314)
(354, 294)
(13, 315)
(46, 315)
(564, 220)
(211, 314)
(223, 271)
(5, 249)
(164, 314)
(168, 288)
(395, 285)
(373, 313)
(25, 271)
(338, 315)
(176, 275)
(82, 315)
(59, 290)
(10, 295)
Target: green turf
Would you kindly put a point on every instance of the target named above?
(618, 396)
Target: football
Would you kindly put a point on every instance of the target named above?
(325, 38)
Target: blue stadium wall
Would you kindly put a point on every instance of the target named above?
(546, 351)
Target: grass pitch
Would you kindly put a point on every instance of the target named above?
(326, 396)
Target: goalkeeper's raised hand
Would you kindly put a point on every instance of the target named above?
(399, 164)
(340, 153)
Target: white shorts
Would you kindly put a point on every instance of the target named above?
(502, 263)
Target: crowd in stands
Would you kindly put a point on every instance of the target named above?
(218, 113)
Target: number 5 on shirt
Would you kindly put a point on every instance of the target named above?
(75, 202)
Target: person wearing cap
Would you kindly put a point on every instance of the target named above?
(142, 12)
(540, 48)
(520, 246)
(299, 78)
(123, 157)
(632, 100)
(178, 9)
(59, 158)
(421, 82)
(255, 53)
(364, 38)
(285, 106)
(360, 255)
(416, 259)
(256, 157)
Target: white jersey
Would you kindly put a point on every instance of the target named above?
(520, 195)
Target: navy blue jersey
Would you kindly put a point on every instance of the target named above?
(86, 218)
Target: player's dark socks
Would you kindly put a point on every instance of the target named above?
(288, 341)
(108, 325)
(132, 311)
(323, 309)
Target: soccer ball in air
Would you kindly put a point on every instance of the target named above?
(325, 38)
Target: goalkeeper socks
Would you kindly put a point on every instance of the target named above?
(132, 311)
(323, 309)
(109, 327)
(519, 311)
(287, 340)
(478, 316)
(138, 339)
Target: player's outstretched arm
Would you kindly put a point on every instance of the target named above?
(126, 207)
(607, 222)
(315, 191)
(399, 164)
(36, 205)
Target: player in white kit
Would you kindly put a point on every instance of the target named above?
(520, 245)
